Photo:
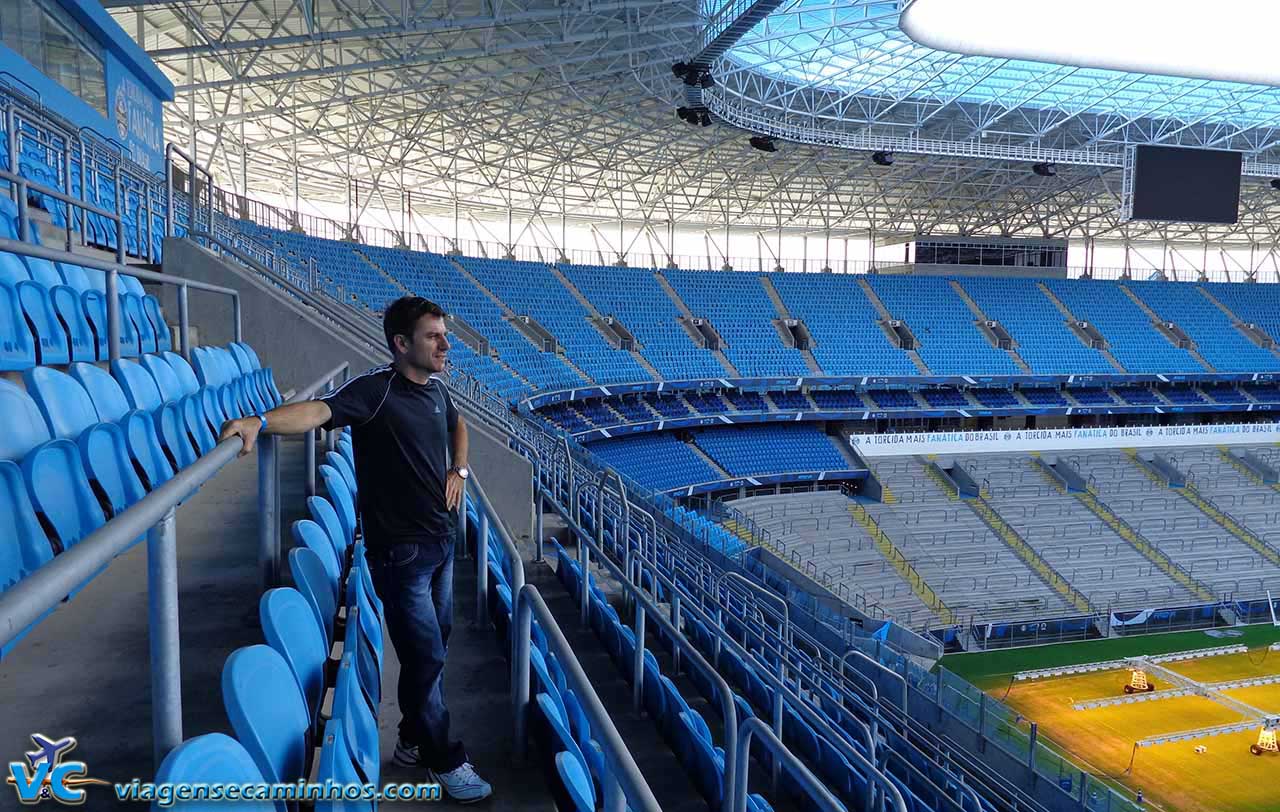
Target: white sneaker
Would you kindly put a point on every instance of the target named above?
(463, 784)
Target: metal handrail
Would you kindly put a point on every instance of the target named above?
(624, 785)
(486, 510)
(816, 790)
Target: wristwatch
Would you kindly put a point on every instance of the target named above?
(461, 471)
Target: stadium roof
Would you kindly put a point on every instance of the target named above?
(541, 106)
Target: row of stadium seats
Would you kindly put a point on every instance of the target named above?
(840, 317)
(84, 445)
(275, 694)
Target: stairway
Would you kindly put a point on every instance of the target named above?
(887, 316)
(688, 314)
(1275, 348)
(978, 314)
(709, 460)
(1136, 540)
(597, 315)
(899, 562)
(1155, 318)
(1069, 316)
(783, 313)
(1015, 542)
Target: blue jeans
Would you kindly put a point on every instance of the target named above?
(415, 583)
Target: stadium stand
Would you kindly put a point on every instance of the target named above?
(659, 461)
(1211, 330)
(770, 449)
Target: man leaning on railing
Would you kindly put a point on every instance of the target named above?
(405, 429)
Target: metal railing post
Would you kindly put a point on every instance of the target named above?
(637, 685)
(113, 315)
(309, 440)
(522, 635)
(170, 227)
(166, 667)
(268, 519)
(184, 323)
(237, 326)
(482, 567)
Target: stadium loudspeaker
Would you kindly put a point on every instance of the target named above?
(764, 143)
(1044, 170)
(882, 158)
(1275, 184)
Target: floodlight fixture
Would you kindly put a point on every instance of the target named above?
(882, 158)
(1044, 170)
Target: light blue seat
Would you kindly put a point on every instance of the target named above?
(336, 766)
(95, 312)
(60, 491)
(368, 642)
(207, 759)
(198, 424)
(359, 723)
(187, 379)
(50, 336)
(139, 426)
(307, 533)
(340, 496)
(323, 514)
(75, 276)
(167, 381)
(25, 548)
(267, 711)
(17, 351)
(144, 337)
(151, 310)
(343, 467)
(313, 582)
(578, 785)
(171, 425)
(291, 627)
(139, 385)
(69, 308)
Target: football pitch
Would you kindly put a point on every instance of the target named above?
(1190, 695)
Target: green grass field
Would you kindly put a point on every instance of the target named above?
(1174, 778)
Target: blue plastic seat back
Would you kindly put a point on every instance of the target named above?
(241, 358)
(573, 774)
(50, 337)
(105, 451)
(131, 285)
(187, 379)
(65, 405)
(313, 582)
(267, 711)
(341, 498)
(212, 407)
(60, 491)
(129, 346)
(171, 426)
(359, 723)
(24, 425)
(212, 758)
(75, 277)
(95, 312)
(69, 309)
(104, 391)
(307, 533)
(12, 269)
(208, 370)
(146, 449)
(337, 766)
(323, 514)
(26, 548)
(167, 380)
(291, 627)
(42, 271)
(143, 336)
(197, 424)
(554, 714)
(17, 351)
(343, 467)
(251, 354)
(151, 310)
(139, 385)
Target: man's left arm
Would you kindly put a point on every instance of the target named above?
(459, 448)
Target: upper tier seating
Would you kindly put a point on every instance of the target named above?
(949, 342)
(739, 308)
(843, 323)
(529, 288)
(1131, 337)
(1253, 303)
(634, 296)
(1224, 347)
(1040, 331)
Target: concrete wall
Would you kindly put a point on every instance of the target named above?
(291, 340)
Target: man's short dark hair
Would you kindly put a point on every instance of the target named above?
(402, 315)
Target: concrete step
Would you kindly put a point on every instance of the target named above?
(688, 314)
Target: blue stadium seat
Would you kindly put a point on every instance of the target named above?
(336, 766)
(312, 581)
(323, 514)
(212, 758)
(26, 548)
(340, 496)
(307, 533)
(187, 379)
(291, 627)
(60, 491)
(17, 350)
(69, 308)
(139, 426)
(573, 774)
(139, 386)
(342, 466)
(267, 711)
(50, 336)
(359, 722)
(95, 312)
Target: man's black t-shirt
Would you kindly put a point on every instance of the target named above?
(400, 435)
